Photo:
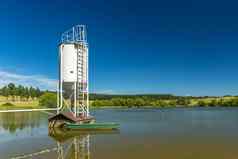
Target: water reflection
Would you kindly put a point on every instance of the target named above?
(69, 145)
(13, 121)
(31, 129)
(164, 133)
(74, 144)
(77, 148)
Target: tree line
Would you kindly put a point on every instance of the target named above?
(179, 102)
(95, 96)
(141, 102)
(20, 92)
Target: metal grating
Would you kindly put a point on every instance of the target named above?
(76, 34)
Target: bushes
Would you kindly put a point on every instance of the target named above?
(219, 102)
(141, 102)
(7, 104)
(234, 102)
(183, 102)
(133, 102)
(230, 103)
(201, 103)
(48, 100)
(100, 103)
(213, 103)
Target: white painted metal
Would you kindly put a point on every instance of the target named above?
(87, 81)
(58, 102)
(75, 99)
(32, 110)
(69, 62)
(73, 52)
(27, 110)
(60, 90)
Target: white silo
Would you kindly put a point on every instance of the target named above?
(69, 62)
(73, 83)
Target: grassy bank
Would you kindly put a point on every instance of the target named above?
(49, 100)
(7, 103)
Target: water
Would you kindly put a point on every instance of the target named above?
(197, 133)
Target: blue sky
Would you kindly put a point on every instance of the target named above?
(181, 47)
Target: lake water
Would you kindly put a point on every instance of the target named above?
(194, 133)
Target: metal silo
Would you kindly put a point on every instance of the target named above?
(73, 71)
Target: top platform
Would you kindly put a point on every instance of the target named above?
(76, 34)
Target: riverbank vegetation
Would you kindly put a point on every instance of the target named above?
(19, 92)
(16, 96)
(166, 101)
(48, 100)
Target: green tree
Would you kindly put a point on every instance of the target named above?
(201, 103)
(227, 103)
(33, 93)
(38, 92)
(26, 93)
(129, 102)
(139, 102)
(213, 103)
(162, 103)
(183, 102)
(20, 91)
(5, 92)
(220, 102)
(172, 103)
(48, 100)
(235, 102)
(116, 102)
(96, 103)
(12, 90)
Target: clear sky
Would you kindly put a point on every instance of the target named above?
(183, 47)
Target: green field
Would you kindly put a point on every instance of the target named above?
(24, 104)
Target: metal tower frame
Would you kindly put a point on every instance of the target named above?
(76, 35)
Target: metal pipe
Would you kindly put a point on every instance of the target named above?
(75, 100)
(61, 83)
(27, 110)
(87, 89)
(58, 97)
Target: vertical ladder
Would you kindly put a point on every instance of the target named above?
(82, 91)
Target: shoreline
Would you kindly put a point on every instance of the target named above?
(118, 107)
